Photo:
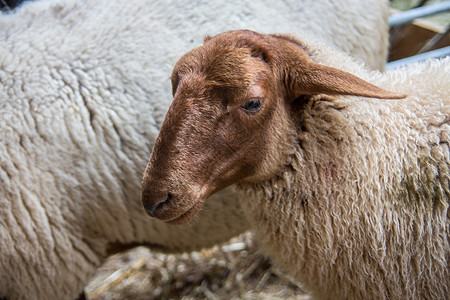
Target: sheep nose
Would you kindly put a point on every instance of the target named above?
(154, 208)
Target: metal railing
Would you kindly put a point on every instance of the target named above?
(405, 17)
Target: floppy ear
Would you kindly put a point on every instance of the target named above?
(303, 76)
(320, 79)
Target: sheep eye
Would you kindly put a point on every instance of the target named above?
(253, 105)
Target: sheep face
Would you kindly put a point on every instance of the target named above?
(233, 118)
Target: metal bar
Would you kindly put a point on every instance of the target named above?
(438, 53)
(409, 15)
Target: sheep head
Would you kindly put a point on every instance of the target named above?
(230, 119)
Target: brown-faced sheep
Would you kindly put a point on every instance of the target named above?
(350, 195)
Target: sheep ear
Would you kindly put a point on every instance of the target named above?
(320, 79)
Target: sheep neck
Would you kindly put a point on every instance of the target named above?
(334, 224)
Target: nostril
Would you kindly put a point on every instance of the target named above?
(154, 210)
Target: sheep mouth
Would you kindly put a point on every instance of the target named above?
(186, 216)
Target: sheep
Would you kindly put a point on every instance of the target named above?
(349, 195)
(83, 93)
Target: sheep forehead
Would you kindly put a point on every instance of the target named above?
(221, 72)
(223, 63)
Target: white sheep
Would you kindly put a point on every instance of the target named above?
(83, 91)
(350, 195)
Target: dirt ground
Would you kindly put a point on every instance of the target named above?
(236, 270)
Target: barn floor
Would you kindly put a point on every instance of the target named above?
(233, 271)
